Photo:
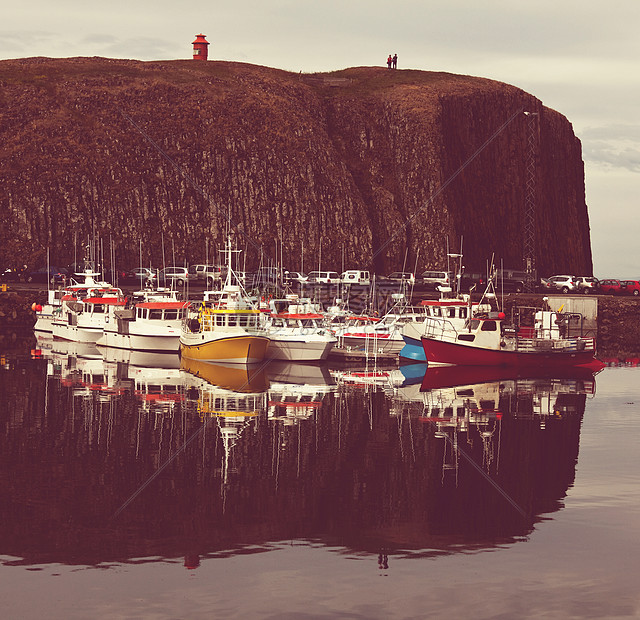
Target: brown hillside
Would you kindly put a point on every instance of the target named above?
(349, 164)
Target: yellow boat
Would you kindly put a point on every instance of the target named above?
(228, 332)
(226, 327)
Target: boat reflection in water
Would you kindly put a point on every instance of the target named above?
(107, 460)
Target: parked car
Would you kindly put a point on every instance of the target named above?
(169, 276)
(295, 276)
(587, 285)
(564, 284)
(402, 276)
(141, 275)
(611, 287)
(205, 272)
(435, 279)
(324, 277)
(468, 281)
(355, 276)
(9, 275)
(53, 275)
(631, 287)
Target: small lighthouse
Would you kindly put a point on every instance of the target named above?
(200, 47)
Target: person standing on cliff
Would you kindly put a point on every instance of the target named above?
(395, 61)
(389, 61)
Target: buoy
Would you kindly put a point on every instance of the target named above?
(34, 306)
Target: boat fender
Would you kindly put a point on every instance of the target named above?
(503, 343)
(194, 325)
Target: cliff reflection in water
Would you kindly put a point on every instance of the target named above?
(106, 460)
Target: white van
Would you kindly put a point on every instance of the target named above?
(355, 276)
(324, 277)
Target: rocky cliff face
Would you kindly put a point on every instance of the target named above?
(360, 168)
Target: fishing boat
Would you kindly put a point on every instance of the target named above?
(532, 337)
(152, 324)
(84, 283)
(225, 327)
(296, 331)
(455, 310)
(376, 336)
(84, 319)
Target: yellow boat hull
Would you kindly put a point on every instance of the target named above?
(241, 349)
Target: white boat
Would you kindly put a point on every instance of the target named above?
(297, 332)
(375, 336)
(81, 285)
(84, 319)
(226, 327)
(153, 324)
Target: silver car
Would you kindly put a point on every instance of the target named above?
(563, 284)
(587, 285)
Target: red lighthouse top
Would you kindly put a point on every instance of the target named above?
(200, 47)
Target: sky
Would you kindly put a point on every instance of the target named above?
(581, 59)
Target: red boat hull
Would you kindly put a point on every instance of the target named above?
(439, 352)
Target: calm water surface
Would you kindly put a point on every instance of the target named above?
(131, 491)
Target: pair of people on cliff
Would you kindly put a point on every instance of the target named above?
(392, 61)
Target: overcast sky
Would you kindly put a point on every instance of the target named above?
(581, 59)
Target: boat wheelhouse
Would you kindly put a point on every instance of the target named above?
(455, 310)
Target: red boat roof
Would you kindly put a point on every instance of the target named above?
(163, 304)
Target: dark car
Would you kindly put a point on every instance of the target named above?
(631, 287)
(9, 275)
(472, 282)
(611, 287)
(53, 275)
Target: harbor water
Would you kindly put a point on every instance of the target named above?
(143, 487)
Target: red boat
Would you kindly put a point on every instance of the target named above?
(489, 341)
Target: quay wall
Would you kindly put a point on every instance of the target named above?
(618, 318)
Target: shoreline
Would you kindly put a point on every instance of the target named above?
(618, 331)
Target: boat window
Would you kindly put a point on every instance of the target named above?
(98, 309)
(243, 320)
(170, 315)
(474, 324)
(452, 312)
(154, 315)
(463, 313)
(232, 320)
(489, 326)
(220, 319)
(436, 312)
(467, 337)
(140, 313)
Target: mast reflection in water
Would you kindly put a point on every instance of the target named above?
(106, 460)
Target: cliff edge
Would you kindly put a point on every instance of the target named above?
(364, 167)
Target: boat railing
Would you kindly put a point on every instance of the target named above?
(439, 327)
(547, 344)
